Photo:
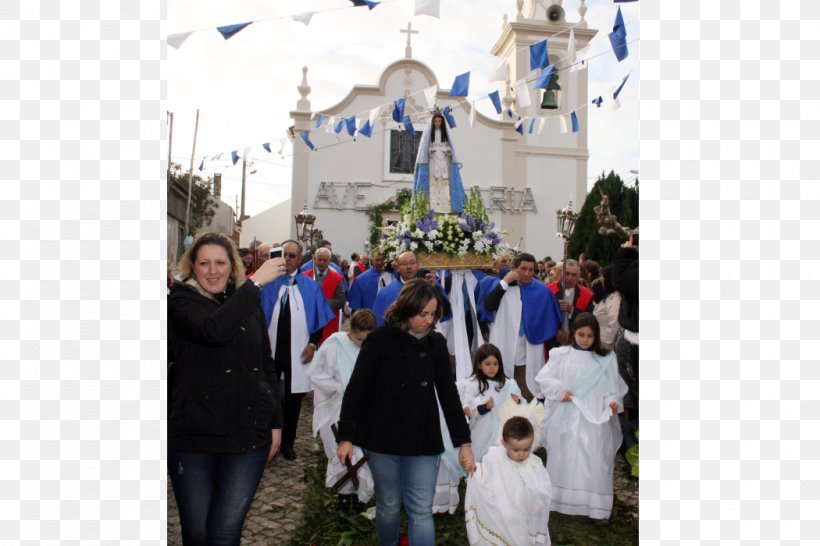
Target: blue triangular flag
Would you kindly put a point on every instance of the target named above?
(366, 129)
(370, 4)
(398, 111)
(448, 115)
(597, 101)
(620, 87)
(520, 128)
(408, 125)
(621, 1)
(234, 157)
(266, 146)
(351, 125)
(509, 112)
(538, 55)
(304, 135)
(202, 164)
(574, 117)
(618, 37)
(544, 78)
(321, 119)
(532, 124)
(339, 125)
(496, 101)
(229, 30)
(461, 85)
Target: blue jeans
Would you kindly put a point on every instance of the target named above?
(410, 479)
(214, 492)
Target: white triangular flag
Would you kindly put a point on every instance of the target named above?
(498, 73)
(331, 123)
(430, 95)
(563, 120)
(303, 17)
(614, 104)
(520, 121)
(374, 112)
(571, 47)
(472, 115)
(522, 93)
(541, 124)
(428, 7)
(282, 144)
(175, 40)
(580, 59)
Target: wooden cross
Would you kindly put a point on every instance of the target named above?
(408, 52)
(352, 469)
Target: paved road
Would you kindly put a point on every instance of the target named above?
(277, 508)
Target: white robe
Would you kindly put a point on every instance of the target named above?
(484, 428)
(299, 336)
(582, 435)
(440, 152)
(515, 349)
(508, 503)
(330, 372)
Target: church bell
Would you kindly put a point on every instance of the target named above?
(551, 94)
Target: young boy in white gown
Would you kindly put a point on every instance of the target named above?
(482, 394)
(508, 496)
(583, 394)
(330, 372)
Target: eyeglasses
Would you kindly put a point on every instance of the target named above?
(290, 255)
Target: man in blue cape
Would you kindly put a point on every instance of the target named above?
(363, 290)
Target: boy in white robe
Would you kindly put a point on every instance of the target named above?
(330, 372)
(508, 497)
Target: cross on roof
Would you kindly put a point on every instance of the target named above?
(408, 52)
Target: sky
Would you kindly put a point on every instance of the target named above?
(245, 87)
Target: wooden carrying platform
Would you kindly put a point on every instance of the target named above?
(444, 261)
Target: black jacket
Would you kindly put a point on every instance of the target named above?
(389, 405)
(625, 280)
(226, 397)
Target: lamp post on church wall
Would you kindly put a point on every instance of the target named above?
(305, 225)
(566, 224)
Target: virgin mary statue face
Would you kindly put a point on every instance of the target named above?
(436, 122)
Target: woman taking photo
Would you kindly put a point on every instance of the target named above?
(225, 412)
(390, 410)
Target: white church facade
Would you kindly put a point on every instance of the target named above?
(523, 178)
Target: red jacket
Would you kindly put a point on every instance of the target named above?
(332, 280)
(580, 303)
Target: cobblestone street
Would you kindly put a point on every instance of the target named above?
(277, 507)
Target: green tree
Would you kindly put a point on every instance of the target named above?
(202, 199)
(623, 204)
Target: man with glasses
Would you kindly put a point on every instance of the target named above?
(295, 311)
(408, 266)
(332, 284)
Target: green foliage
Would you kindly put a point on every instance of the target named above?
(633, 458)
(475, 205)
(202, 199)
(623, 204)
(375, 213)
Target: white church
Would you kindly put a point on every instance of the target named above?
(523, 178)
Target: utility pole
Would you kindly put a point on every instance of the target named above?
(169, 116)
(244, 169)
(191, 176)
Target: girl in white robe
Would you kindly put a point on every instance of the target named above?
(508, 496)
(330, 372)
(482, 395)
(583, 394)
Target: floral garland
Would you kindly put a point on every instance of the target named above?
(419, 230)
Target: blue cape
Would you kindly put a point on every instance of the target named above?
(540, 312)
(363, 290)
(485, 286)
(317, 311)
(421, 184)
(389, 294)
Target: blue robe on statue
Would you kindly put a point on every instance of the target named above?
(421, 177)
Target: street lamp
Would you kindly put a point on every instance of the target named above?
(566, 224)
(304, 228)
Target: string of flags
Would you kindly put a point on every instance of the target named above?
(541, 74)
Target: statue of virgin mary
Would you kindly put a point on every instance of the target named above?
(437, 168)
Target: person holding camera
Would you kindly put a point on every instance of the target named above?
(225, 408)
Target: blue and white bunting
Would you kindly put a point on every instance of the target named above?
(461, 85)
(398, 111)
(448, 115)
(618, 37)
(306, 138)
(539, 56)
(229, 31)
(496, 100)
(574, 118)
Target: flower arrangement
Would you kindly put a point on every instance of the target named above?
(421, 231)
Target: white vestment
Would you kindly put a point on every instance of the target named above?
(330, 372)
(299, 336)
(457, 339)
(507, 503)
(504, 335)
(440, 153)
(484, 428)
(582, 435)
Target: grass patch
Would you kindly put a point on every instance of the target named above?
(323, 526)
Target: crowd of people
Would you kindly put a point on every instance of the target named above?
(441, 375)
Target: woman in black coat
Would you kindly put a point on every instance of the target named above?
(225, 411)
(389, 409)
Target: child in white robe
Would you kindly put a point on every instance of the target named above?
(482, 394)
(330, 372)
(583, 394)
(508, 496)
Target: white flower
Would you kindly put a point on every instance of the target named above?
(413, 246)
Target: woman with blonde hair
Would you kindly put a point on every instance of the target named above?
(225, 409)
